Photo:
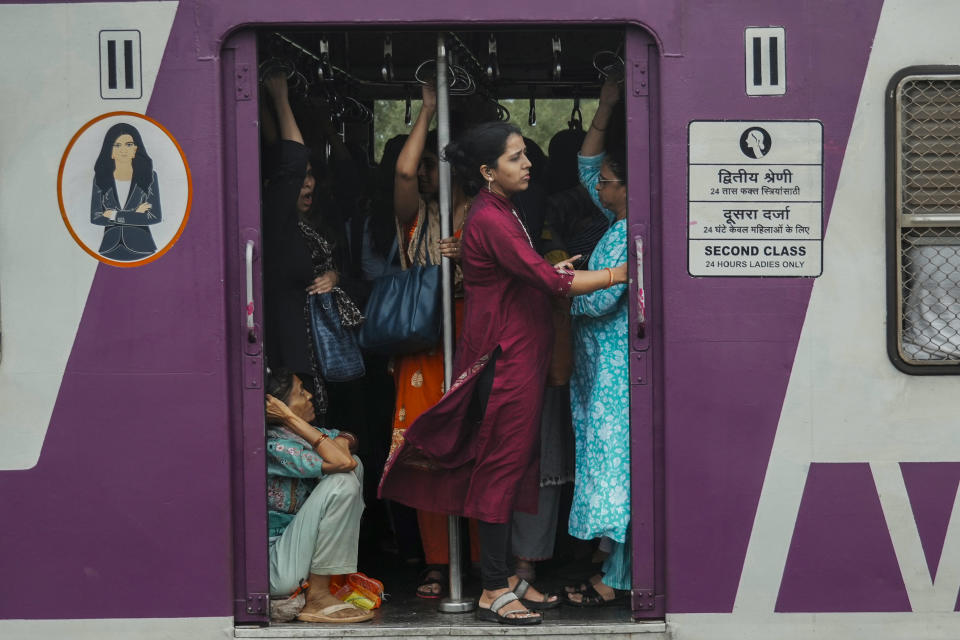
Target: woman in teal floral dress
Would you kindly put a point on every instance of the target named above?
(599, 388)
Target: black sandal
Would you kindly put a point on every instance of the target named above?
(426, 580)
(591, 598)
(510, 617)
(535, 605)
(580, 587)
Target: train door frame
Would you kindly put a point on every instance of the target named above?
(243, 284)
(243, 280)
(640, 95)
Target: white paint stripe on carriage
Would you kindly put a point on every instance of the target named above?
(45, 277)
(925, 594)
(817, 626)
(118, 629)
(845, 402)
(904, 535)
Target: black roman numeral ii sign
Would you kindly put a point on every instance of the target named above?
(766, 68)
(120, 72)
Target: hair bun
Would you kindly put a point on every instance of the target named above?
(453, 153)
(476, 147)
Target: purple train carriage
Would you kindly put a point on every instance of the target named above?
(794, 261)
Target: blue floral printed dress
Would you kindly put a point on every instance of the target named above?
(600, 401)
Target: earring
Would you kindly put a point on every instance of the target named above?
(489, 183)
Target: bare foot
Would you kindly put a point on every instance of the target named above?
(513, 609)
(432, 585)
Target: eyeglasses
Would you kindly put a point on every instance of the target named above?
(605, 181)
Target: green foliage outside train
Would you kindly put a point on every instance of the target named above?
(552, 116)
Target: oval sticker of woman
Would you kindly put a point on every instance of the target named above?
(126, 222)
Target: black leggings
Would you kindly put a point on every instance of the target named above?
(496, 550)
(496, 554)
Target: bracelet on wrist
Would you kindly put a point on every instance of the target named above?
(319, 440)
(610, 275)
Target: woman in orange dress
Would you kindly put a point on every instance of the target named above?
(419, 377)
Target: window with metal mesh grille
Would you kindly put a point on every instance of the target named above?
(928, 220)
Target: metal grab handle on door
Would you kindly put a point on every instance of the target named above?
(641, 301)
(251, 328)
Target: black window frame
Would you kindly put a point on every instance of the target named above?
(893, 231)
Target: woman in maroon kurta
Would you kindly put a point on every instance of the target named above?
(474, 454)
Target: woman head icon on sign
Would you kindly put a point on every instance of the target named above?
(755, 142)
(126, 195)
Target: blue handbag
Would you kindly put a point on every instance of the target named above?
(403, 313)
(336, 347)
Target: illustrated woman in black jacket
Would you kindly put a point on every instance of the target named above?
(126, 195)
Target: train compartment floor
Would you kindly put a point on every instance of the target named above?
(405, 616)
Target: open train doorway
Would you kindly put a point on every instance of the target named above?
(356, 94)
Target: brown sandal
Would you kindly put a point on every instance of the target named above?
(324, 615)
(427, 581)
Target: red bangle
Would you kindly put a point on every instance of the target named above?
(321, 438)
(609, 273)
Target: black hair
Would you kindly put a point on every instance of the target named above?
(383, 230)
(104, 167)
(430, 144)
(538, 161)
(318, 166)
(562, 172)
(478, 146)
(327, 214)
(616, 159)
(615, 142)
(279, 383)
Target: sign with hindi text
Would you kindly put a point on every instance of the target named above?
(755, 198)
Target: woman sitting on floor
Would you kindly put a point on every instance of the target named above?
(315, 499)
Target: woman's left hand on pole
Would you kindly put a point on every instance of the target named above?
(450, 248)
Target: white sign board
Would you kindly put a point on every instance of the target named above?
(766, 61)
(121, 74)
(755, 198)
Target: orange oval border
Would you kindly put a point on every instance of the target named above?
(63, 210)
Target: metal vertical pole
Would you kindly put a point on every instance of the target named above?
(455, 603)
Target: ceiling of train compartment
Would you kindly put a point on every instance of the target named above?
(496, 63)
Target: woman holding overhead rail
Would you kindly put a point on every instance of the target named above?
(299, 261)
(474, 454)
(419, 376)
(599, 386)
